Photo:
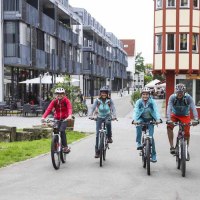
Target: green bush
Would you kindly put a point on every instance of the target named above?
(135, 96)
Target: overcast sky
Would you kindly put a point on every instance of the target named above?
(126, 19)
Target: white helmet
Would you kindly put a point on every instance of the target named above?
(146, 90)
(59, 90)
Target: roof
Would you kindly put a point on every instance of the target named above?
(129, 46)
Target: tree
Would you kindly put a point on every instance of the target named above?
(139, 63)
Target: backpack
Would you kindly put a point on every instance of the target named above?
(98, 103)
(185, 100)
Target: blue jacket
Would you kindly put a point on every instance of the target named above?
(139, 109)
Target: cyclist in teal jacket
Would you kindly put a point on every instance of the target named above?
(104, 108)
(145, 110)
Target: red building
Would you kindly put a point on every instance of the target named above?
(177, 45)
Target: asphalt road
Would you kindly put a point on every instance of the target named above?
(121, 177)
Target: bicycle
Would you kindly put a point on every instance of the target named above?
(146, 147)
(57, 154)
(103, 141)
(181, 148)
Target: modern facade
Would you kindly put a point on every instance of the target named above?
(176, 44)
(50, 36)
(129, 47)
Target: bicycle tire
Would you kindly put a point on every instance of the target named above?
(63, 156)
(148, 155)
(105, 148)
(101, 149)
(178, 160)
(55, 154)
(144, 161)
(183, 158)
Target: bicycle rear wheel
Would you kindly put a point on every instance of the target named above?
(148, 154)
(178, 160)
(101, 148)
(62, 156)
(183, 158)
(55, 153)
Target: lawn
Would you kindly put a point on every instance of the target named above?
(17, 151)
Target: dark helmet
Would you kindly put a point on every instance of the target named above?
(180, 88)
(104, 89)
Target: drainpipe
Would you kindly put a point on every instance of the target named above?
(1, 55)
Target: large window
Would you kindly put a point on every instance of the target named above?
(11, 5)
(198, 92)
(170, 42)
(195, 3)
(158, 43)
(195, 42)
(11, 39)
(158, 4)
(171, 3)
(183, 42)
(184, 3)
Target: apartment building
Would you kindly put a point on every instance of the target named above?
(176, 44)
(50, 36)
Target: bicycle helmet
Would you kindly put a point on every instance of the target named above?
(59, 90)
(145, 90)
(180, 88)
(104, 89)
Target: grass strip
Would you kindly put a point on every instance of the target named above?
(11, 152)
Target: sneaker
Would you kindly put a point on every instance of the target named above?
(96, 155)
(139, 146)
(66, 150)
(110, 140)
(188, 156)
(172, 150)
(153, 159)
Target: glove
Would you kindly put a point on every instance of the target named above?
(43, 120)
(195, 122)
(158, 121)
(134, 122)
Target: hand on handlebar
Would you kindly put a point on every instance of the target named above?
(195, 122)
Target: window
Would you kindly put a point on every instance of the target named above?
(158, 43)
(197, 92)
(195, 3)
(171, 3)
(11, 5)
(40, 39)
(195, 42)
(158, 4)
(170, 42)
(183, 42)
(184, 3)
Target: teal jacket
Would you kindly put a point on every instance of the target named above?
(103, 108)
(139, 109)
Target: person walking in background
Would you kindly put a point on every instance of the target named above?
(104, 109)
(178, 109)
(145, 110)
(62, 111)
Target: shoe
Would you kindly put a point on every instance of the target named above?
(66, 150)
(172, 150)
(110, 140)
(153, 158)
(139, 146)
(96, 155)
(188, 156)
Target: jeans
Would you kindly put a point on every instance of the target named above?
(98, 127)
(151, 132)
(62, 125)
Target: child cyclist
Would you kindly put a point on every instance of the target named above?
(105, 110)
(145, 110)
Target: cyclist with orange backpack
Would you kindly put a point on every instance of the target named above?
(62, 111)
(105, 109)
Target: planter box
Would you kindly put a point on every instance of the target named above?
(70, 124)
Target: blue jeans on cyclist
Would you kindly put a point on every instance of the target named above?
(62, 125)
(151, 132)
(98, 127)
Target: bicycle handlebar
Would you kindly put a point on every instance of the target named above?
(181, 123)
(95, 119)
(147, 123)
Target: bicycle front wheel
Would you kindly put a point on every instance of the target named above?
(55, 153)
(101, 148)
(183, 158)
(62, 156)
(148, 155)
(178, 160)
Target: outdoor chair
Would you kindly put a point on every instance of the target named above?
(26, 110)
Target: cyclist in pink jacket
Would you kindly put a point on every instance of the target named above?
(62, 108)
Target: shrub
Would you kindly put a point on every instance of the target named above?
(135, 96)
